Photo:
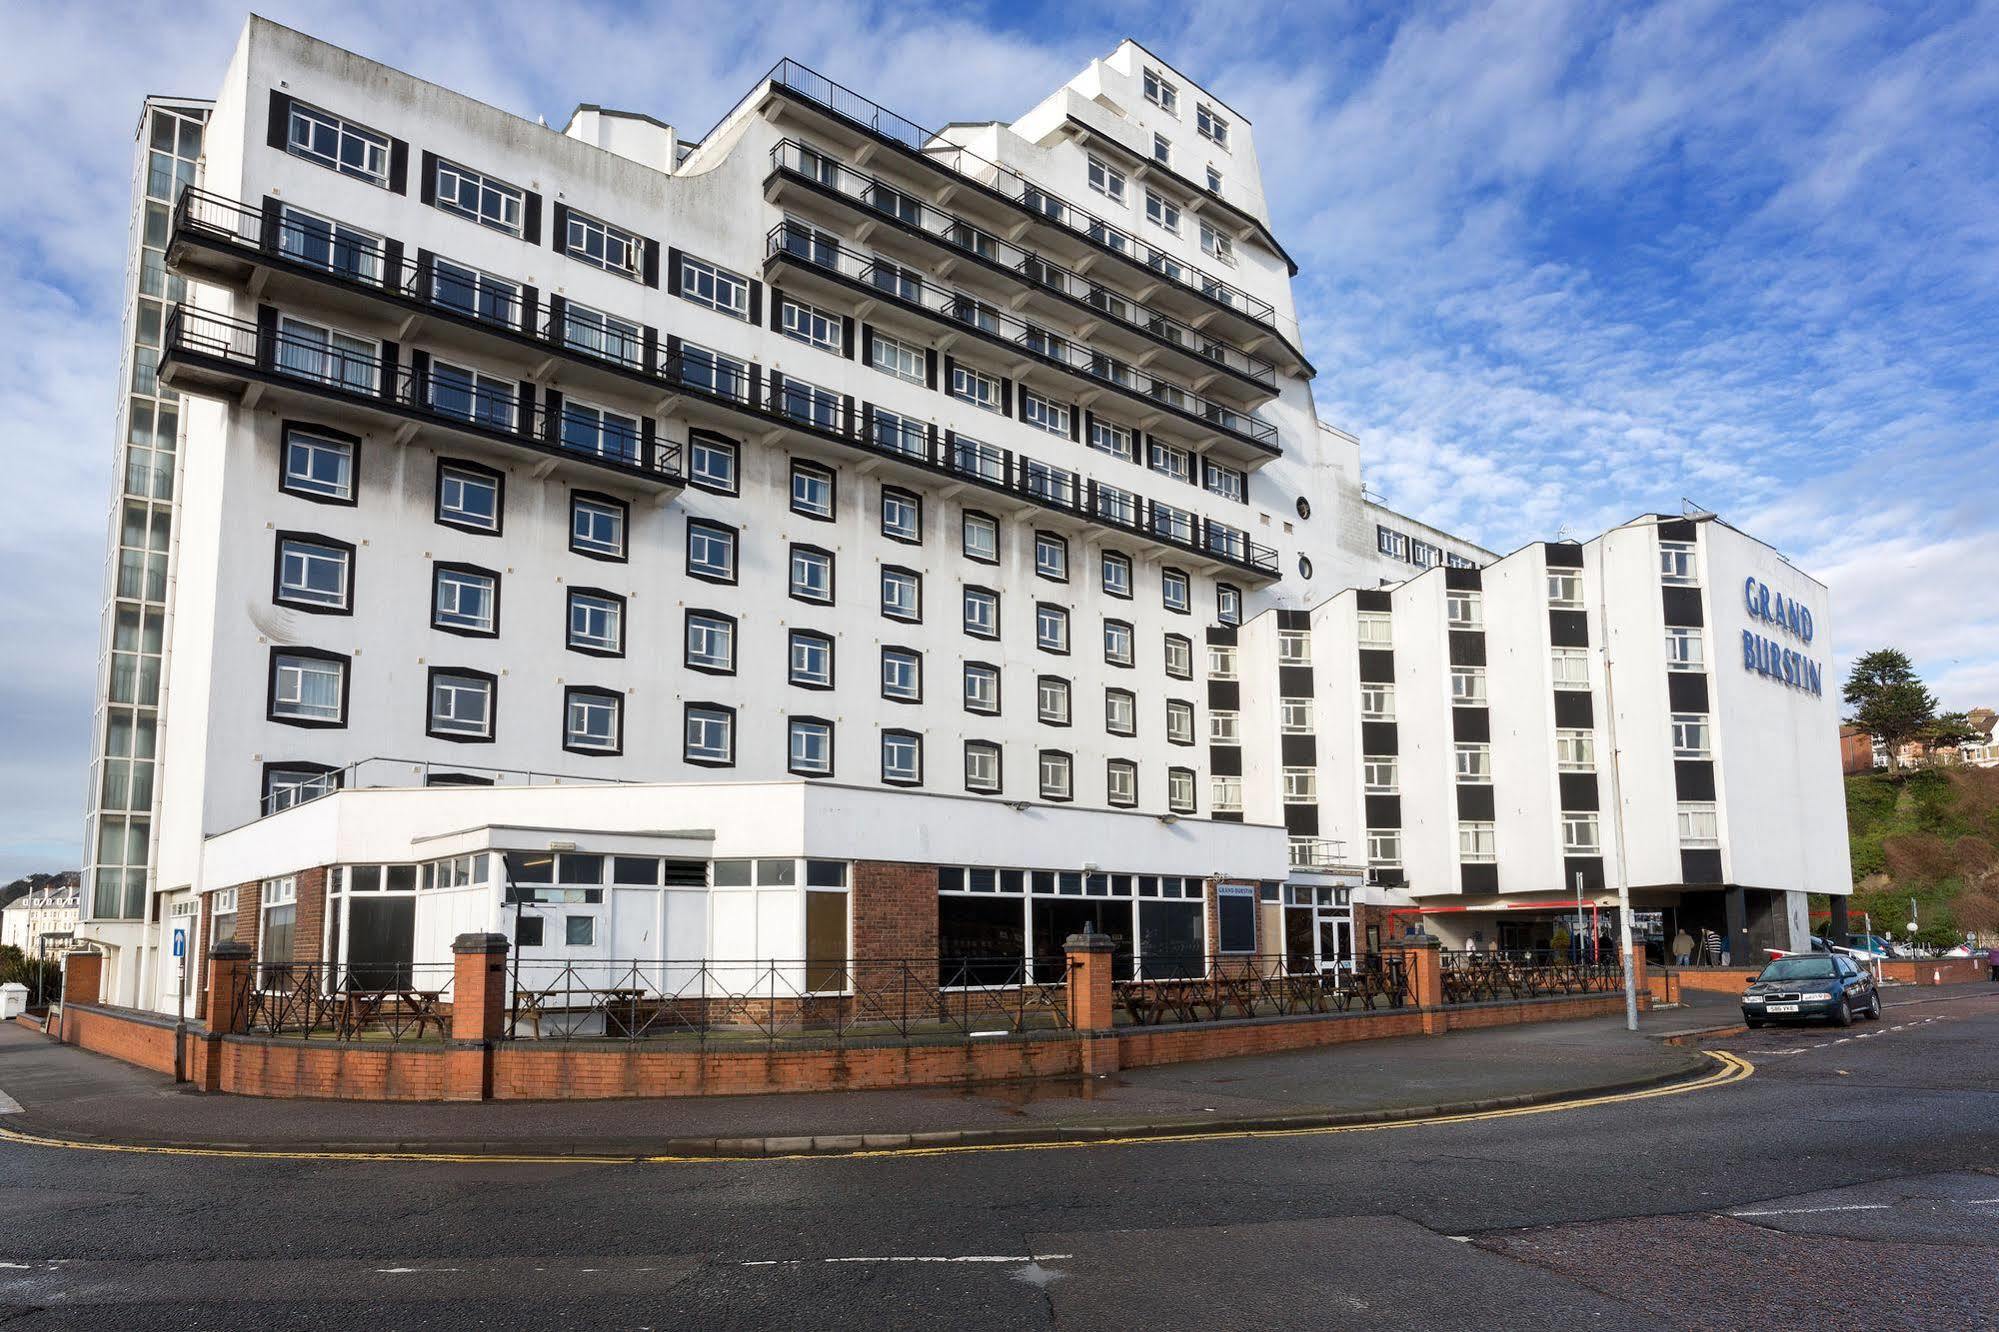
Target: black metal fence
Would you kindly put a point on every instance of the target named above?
(1473, 976)
(393, 1001)
(1238, 985)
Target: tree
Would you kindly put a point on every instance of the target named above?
(1889, 700)
(1948, 732)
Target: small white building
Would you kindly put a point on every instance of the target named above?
(42, 922)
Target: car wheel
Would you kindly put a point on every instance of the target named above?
(1843, 1015)
(1874, 1007)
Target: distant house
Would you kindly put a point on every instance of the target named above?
(1856, 751)
(1984, 751)
(43, 919)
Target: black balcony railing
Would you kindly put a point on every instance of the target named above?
(1012, 186)
(913, 289)
(474, 300)
(327, 365)
(958, 235)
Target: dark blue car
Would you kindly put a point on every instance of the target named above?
(1815, 985)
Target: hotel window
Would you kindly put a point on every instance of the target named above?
(1116, 573)
(1575, 750)
(711, 463)
(1162, 149)
(1294, 647)
(465, 600)
(906, 284)
(596, 622)
(1161, 93)
(593, 721)
(1464, 610)
(1570, 667)
(1377, 702)
(1224, 726)
(1690, 735)
(1179, 656)
(1228, 482)
(332, 247)
(1170, 461)
(1121, 783)
(315, 573)
(716, 288)
(318, 467)
(325, 355)
(1051, 628)
(1106, 179)
(1116, 440)
(981, 612)
(1390, 542)
(1221, 661)
(809, 747)
(1294, 716)
(1174, 591)
(1684, 649)
(902, 675)
(1676, 562)
(1301, 786)
(1376, 629)
(902, 593)
(1120, 712)
(980, 534)
(711, 371)
(308, 688)
(602, 335)
(339, 144)
(461, 705)
(1378, 774)
(710, 735)
(1179, 722)
(982, 688)
(494, 300)
(599, 244)
(1468, 686)
(980, 390)
(1565, 589)
(711, 642)
(982, 766)
(1056, 775)
(468, 497)
(277, 907)
(1044, 413)
(1051, 556)
(1478, 843)
(1118, 643)
(1051, 700)
(891, 357)
(607, 434)
(1214, 181)
(1210, 125)
(479, 197)
(902, 758)
(902, 516)
(1161, 212)
(1225, 795)
(1180, 790)
(808, 404)
(811, 325)
(1384, 846)
(1217, 245)
(597, 526)
(1581, 835)
(812, 574)
(812, 492)
(811, 659)
(1474, 763)
(711, 551)
(1228, 603)
(1700, 825)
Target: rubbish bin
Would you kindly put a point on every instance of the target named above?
(13, 1000)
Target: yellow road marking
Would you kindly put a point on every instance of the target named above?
(1731, 1068)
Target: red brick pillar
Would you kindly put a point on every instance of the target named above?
(1641, 985)
(230, 971)
(82, 977)
(1423, 963)
(478, 1014)
(1092, 1008)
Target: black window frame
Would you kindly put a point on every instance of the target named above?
(832, 744)
(1166, 656)
(1222, 615)
(493, 474)
(965, 621)
(1193, 722)
(901, 733)
(734, 449)
(832, 659)
(687, 652)
(492, 705)
(1068, 628)
(1111, 765)
(1068, 692)
(625, 526)
(1123, 560)
(910, 497)
(899, 650)
(791, 553)
(278, 598)
(1128, 695)
(831, 475)
(440, 567)
(916, 575)
(301, 767)
(1130, 661)
(998, 679)
(687, 709)
(1068, 756)
(1062, 543)
(1193, 804)
(624, 612)
(331, 436)
(617, 748)
(999, 767)
(1166, 574)
(735, 551)
(964, 521)
(319, 654)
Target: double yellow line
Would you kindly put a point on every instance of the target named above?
(1729, 1068)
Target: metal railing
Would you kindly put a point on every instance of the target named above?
(390, 1001)
(437, 398)
(913, 289)
(379, 771)
(1011, 186)
(1472, 976)
(1245, 985)
(959, 235)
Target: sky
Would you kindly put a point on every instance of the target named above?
(1562, 262)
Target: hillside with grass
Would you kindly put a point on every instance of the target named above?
(1931, 834)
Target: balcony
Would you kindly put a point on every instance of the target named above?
(1207, 297)
(1318, 855)
(210, 355)
(801, 172)
(956, 311)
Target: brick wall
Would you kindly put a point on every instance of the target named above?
(249, 897)
(147, 1043)
(309, 933)
(895, 910)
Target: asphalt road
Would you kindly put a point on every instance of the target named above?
(1852, 1179)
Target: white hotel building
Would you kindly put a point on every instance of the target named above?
(831, 537)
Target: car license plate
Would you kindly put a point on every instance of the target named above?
(1781, 1008)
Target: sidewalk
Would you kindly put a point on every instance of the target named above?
(72, 1094)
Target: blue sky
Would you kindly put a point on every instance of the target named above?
(1562, 263)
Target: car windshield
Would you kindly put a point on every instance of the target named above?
(1798, 968)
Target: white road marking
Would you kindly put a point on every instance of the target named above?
(1808, 1211)
(910, 1258)
(404, 1271)
(8, 1105)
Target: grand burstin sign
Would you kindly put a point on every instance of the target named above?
(1771, 658)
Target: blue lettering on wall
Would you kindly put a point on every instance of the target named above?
(1773, 608)
(1786, 665)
